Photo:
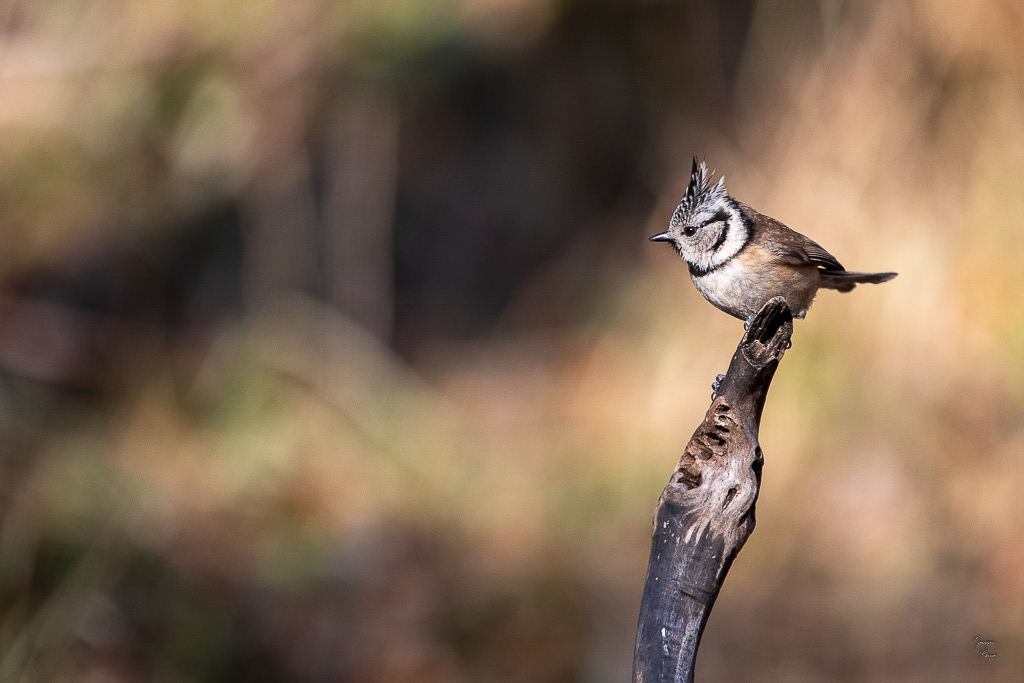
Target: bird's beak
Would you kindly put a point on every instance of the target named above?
(662, 237)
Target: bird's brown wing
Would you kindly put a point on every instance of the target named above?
(787, 245)
(813, 253)
(794, 249)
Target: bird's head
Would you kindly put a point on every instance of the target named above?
(707, 228)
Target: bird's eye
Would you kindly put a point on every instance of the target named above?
(689, 231)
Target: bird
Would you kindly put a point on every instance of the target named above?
(739, 258)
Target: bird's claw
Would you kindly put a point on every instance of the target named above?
(714, 385)
(746, 323)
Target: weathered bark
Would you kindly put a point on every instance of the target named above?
(706, 512)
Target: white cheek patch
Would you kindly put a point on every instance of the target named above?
(714, 255)
(734, 240)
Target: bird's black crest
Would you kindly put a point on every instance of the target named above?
(700, 189)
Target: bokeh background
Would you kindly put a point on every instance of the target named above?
(332, 347)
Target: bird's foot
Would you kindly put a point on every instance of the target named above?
(750, 319)
(714, 385)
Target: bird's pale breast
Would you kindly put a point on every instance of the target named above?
(740, 286)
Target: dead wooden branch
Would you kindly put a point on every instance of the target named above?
(706, 512)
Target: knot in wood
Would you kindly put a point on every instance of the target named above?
(712, 438)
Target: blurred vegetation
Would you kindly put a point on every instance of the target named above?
(332, 349)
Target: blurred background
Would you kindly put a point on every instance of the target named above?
(332, 347)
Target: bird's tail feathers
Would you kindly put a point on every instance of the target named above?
(844, 281)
